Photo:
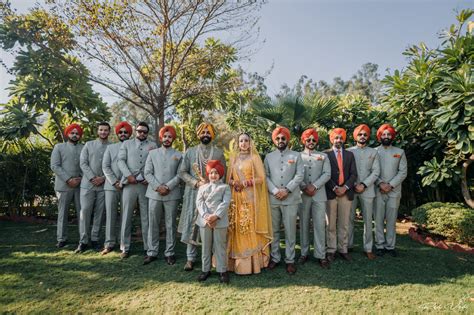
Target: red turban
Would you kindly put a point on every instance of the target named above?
(308, 133)
(71, 127)
(386, 127)
(215, 164)
(335, 132)
(359, 128)
(123, 124)
(169, 129)
(282, 130)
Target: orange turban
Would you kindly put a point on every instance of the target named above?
(209, 127)
(123, 124)
(169, 129)
(71, 127)
(215, 164)
(335, 132)
(359, 128)
(383, 128)
(308, 133)
(282, 130)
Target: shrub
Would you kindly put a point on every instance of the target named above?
(451, 220)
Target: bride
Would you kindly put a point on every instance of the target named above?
(250, 228)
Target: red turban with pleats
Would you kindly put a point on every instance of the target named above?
(335, 132)
(71, 127)
(308, 133)
(169, 129)
(123, 124)
(386, 127)
(282, 130)
(215, 164)
(359, 128)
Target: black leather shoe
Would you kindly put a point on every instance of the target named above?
(224, 277)
(80, 249)
(303, 259)
(204, 275)
(61, 244)
(124, 255)
(95, 246)
(346, 256)
(379, 252)
(170, 260)
(392, 252)
(148, 259)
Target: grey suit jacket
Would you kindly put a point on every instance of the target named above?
(91, 163)
(161, 168)
(132, 157)
(368, 168)
(284, 169)
(110, 166)
(213, 198)
(393, 169)
(65, 164)
(317, 171)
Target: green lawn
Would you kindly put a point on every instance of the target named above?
(36, 277)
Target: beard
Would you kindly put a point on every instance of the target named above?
(205, 140)
(362, 141)
(310, 146)
(166, 144)
(282, 146)
(386, 142)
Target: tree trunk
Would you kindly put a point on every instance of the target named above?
(58, 124)
(183, 138)
(465, 189)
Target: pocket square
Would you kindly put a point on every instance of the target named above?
(291, 161)
(397, 155)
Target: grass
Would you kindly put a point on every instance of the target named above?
(36, 277)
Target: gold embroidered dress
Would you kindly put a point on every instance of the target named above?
(249, 232)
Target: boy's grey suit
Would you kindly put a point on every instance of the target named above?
(284, 169)
(317, 171)
(161, 168)
(65, 165)
(393, 170)
(92, 197)
(368, 170)
(213, 198)
(113, 196)
(131, 161)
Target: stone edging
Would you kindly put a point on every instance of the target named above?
(427, 240)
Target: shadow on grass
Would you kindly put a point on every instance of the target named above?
(33, 268)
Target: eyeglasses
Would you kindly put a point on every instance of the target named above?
(74, 133)
(142, 131)
(311, 140)
(123, 132)
(280, 139)
(362, 135)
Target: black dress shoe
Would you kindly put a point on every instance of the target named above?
(272, 265)
(80, 249)
(189, 266)
(224, 277)
(95, 245)
(346, 256)
(324, 263)
(392, 252)
(350, 250)
(303, 259)
(204, 275)
(148, 259)
(61, 244)
(170, 260)
(379, 252)
(290, 269)
(124, 255)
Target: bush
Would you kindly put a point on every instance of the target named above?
(451, 220)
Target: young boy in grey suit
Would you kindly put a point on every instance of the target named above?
(212, 202)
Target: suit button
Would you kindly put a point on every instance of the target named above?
(310, 167)
(282, 177)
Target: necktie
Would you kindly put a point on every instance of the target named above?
(341, 169)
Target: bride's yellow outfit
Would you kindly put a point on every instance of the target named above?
(250, 228)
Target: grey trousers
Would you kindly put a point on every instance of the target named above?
(338, 213)
(92, 203)
(112, 201)
(214, 241)
(288, 214)
(131, 194)
(386, 210)
(64, 200)
(367, 208)
(315, 210)
(191, 251)
(155, 212)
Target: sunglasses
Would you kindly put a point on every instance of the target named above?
(280, 138)
(74, 133)
(142, 131)
(123, 132)
(311, 140)
(362, 134)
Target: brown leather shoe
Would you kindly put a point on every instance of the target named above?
(303, 259)
(148, 259)
(370, 255)
(331, 257)
(291, 269)
(272, 265)
(346, 256)
(189, 266)
(324, 263)
(124, 255)
(106, 250)
(170, 260)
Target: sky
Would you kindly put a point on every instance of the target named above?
(325, 39)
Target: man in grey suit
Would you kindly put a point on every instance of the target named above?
(340, 193)
(65, 165)
(393, 170)
(131, 161)
(368, 170)
(317, 172)
(92, 188)
(164, 193)
(113, 185)
(285, 172)
(192, 171)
